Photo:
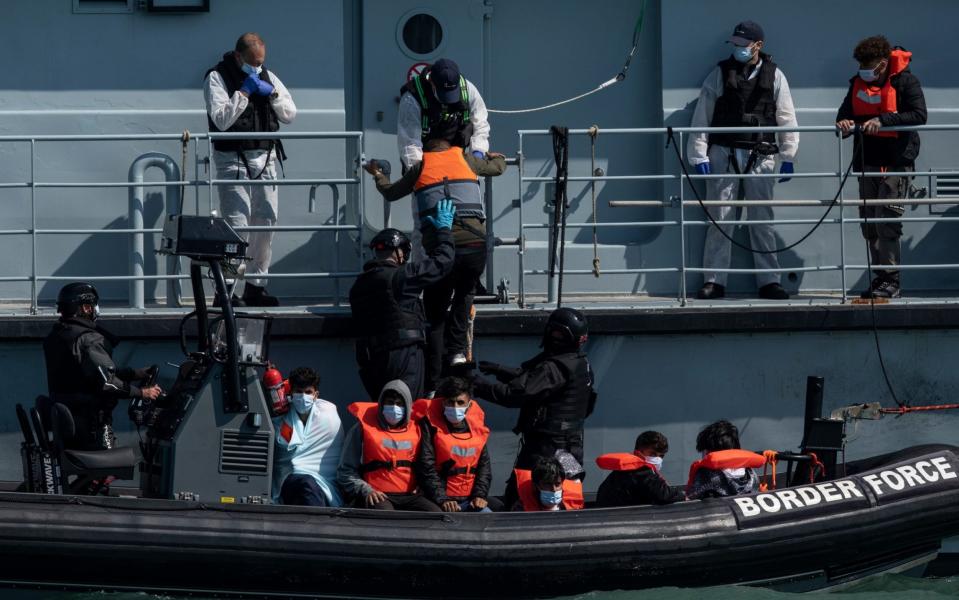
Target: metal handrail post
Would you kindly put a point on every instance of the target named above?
(842, 225)
(361, 204)
(682, 232)
(490, 237)
(336, 244)
(521, 248)
(209, 171)
(33, 227)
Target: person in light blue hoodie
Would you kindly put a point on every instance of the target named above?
(309, 443)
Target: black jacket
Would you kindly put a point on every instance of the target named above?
(911, 110)
(431, 484)
(76, 351)
(634, 488)
(371, 312)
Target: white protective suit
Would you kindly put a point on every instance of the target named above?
(717, 249)
(244, 205)
(312, 449)
(409, 138)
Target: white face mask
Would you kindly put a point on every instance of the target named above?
(96, 312)
(393, 413)
(251, 70)
(656, 461)
(302, 403)
(868, 75)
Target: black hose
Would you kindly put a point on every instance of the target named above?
(561, 157)
(671, 141)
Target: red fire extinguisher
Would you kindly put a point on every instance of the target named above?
(277, 390)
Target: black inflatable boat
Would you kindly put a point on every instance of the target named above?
(888, 514)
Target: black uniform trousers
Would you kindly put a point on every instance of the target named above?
(379, 367)
(447, 305)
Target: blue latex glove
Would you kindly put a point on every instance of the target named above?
(444, 215)
(263, 88)
(703, 168)
(479, 155)
(250, 85)
(786, 169)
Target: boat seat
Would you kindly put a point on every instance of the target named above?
(91, 469)
(118, 462)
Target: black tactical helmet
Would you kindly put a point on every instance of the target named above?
(391, 239)
(72, 295)
(566, 330)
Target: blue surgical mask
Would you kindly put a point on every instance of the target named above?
(455, 414)
(251, 70)
(550, 498)
(743, 54)
(302, 402)
(868, 75)
(393, 413)
(656, 461)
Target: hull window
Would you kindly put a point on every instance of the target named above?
(422, 33)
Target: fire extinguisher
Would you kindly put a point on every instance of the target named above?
(277, 391)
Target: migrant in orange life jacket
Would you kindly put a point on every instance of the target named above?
(870, 100)
(529, 494)
(388, 454)
(622, 461)
(457, 454)
(726, 459)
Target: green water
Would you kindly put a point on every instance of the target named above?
(891, 587)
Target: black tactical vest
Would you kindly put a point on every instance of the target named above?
(259, 115)
(64, 375)
(381, 322)
(745, 103)
(451, 123)
(564, 414)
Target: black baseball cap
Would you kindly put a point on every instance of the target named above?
(746, 33)
(445, 75)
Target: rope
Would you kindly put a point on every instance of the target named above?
(903, 409)
(593, 132)
(772, 458)
(637, 30)
(185, 141)
(561, 157)
(816, 465)
(671, 141)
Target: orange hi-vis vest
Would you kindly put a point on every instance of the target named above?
(457, 454)
(870, 100)
(446, 174)
(529, 495)
(726, 459)
(388, 454)
(621, 461)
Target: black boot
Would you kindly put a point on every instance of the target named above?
(254, 295)
(773, 291)
(711, 291)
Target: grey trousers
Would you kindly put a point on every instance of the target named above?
(244, 205)
(717, 249)
(883, 238)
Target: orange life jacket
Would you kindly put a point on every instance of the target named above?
(457, 454)
(388, 454)
(529, 495)
(445, 164)
(726, 459)
(869, 100)
(621, 461)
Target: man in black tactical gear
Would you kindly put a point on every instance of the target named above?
(387, 310)
(81, 373)
(553, 390)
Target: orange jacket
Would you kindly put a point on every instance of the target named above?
(388, 454)
(457, 454)
(726, 459)
(529, 495)
(869, 100)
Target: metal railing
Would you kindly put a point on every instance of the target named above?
(176, 189)
(680, 201)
